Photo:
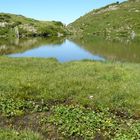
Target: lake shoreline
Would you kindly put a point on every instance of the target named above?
(65, 49)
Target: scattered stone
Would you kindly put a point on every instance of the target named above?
(133, 35)
(91, 97)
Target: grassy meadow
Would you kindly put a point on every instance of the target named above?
(45, 99)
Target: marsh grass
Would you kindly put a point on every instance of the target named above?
(6, 134)
(32, 85)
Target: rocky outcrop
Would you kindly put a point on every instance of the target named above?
(16, 32)
(109, 8)
(3, 24)
(28, 28)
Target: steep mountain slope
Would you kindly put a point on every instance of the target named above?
(20, 26)
(114, 22)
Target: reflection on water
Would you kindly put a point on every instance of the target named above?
(22, 45)
(114, 51)
(65, 50)
(59, 48)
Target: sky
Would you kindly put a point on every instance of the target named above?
(60, 10)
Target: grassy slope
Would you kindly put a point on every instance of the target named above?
(114, 22)
(28, 26)
(30, 86)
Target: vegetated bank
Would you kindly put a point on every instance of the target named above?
(75, 100)
(19, 26)
(117, 21)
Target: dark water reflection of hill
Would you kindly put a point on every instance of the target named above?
(114, 51)
(72, 49)
(21, 45)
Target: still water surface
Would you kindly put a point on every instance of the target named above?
(68, 50)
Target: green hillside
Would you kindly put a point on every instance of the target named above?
(117, 21)
(19, 26)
